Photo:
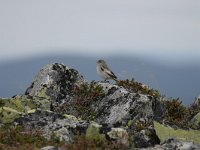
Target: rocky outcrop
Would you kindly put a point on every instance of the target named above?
(60, 103)
(55, 82)
(62, 127)
(173, 144)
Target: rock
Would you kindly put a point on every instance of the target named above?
(37, 119)
(174, 144)
(50, 148)
(49, 123)
(119, 106)
(146, 138)
(54, 82)
(116, 114)
(120, 135)
(159, 109)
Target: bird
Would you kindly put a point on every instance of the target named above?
(104, 71)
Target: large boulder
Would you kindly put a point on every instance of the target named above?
(54, 81)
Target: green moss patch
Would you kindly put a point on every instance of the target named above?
(22, 104)
(92, 133)
(7, 114)
(164, 133)
(196, 119)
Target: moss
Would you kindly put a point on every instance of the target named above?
(35, 102)
(71, 117)
(16, 104)
(31, 111)
(196, 119)
(130, 122)
(43, 94)
(7, 114)
(92, 133)
(164, 133)
(21, 104)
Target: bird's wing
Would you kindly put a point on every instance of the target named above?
(111, 74)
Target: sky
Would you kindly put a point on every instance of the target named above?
(166, 31)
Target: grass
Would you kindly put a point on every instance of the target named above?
(137, 87)
(83, 96)
(15, 138)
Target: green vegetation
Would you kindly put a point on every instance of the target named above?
(22, 104)
(164, 133)
(93, 133)
(84, 95)
(180, 115)
(18, 138)
(175, 112)
(133, 86)
(82, 143)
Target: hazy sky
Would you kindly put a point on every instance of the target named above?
(168, 30)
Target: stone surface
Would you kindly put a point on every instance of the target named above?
(173, 144)
(49, 123)
(120, 135)
(54, 81)
(50, 148)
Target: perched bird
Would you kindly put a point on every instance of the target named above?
(104, 71)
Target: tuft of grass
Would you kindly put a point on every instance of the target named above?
(176, 112)
(84, 95)
(137, 87)
(180, 115)
(18, 138)
(83, 143)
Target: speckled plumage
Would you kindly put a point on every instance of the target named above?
(104, 71)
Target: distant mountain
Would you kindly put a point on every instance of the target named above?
(182, 81)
